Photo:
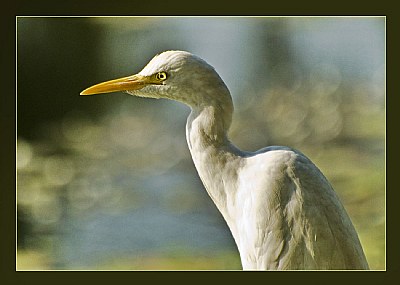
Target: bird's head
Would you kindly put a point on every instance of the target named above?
(176, 75)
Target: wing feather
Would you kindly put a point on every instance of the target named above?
(304, 225)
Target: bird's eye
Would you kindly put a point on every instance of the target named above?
(161, 76)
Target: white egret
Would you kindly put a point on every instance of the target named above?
(280, 208)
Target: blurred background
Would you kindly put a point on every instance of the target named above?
(107, 182)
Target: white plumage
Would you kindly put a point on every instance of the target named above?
(281, 210)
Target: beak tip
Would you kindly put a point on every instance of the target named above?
(86, 92)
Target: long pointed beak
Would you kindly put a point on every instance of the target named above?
(134, 82)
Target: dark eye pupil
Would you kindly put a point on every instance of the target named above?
(161, 76)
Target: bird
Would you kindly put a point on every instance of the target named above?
(281, 210)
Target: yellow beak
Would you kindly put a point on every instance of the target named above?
(134, 82)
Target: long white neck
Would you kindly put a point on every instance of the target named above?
(215, 158)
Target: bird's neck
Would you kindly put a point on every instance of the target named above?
(208, 125)
(214, 156)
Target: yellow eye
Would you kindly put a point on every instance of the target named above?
(161, 76)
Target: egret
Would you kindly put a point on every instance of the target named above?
(282, 212)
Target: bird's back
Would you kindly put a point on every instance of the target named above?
(293, 218)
